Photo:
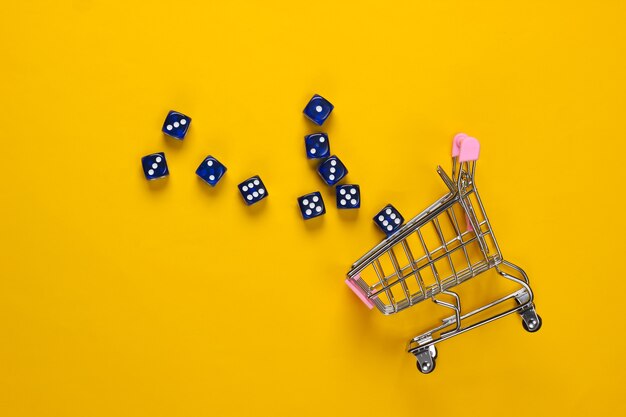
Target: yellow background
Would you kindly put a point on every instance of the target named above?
(120, 297)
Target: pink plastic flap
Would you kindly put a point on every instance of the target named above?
(357, 290)
(469, 149)
(456, 143)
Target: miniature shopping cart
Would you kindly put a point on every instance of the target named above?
(443, 246)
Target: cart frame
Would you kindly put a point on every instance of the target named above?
(469, 252)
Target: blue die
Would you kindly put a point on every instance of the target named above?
(317, 145)
(211, 170)
(253, 190)
(318, 109)
(311, 205)
(389, 220)
(348, 196)
(155, 166)
(332, 170)
(176, 125)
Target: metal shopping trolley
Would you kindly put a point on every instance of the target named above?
(443, 246)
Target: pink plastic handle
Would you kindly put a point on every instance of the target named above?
(465, 147)
(456, 143)
(469, 150)
(359, 292)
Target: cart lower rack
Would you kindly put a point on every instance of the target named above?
(446, 244)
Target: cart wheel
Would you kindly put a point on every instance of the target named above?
(427, 366)
(426, 359)
(533, 328)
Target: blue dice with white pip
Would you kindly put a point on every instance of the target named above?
(318, 109)
(317, 145)
(155, 166)
(311, 205)
(253, 190)
(389, 220)
(211, 170)
(348, 196)
(176, 125)
(332, 170)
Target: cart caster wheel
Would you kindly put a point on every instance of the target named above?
(426, 359)
(533, 325)
(427, 366)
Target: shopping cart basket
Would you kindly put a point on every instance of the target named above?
(446, 244)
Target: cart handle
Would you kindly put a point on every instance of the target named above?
(456, 143)
(465, 147)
